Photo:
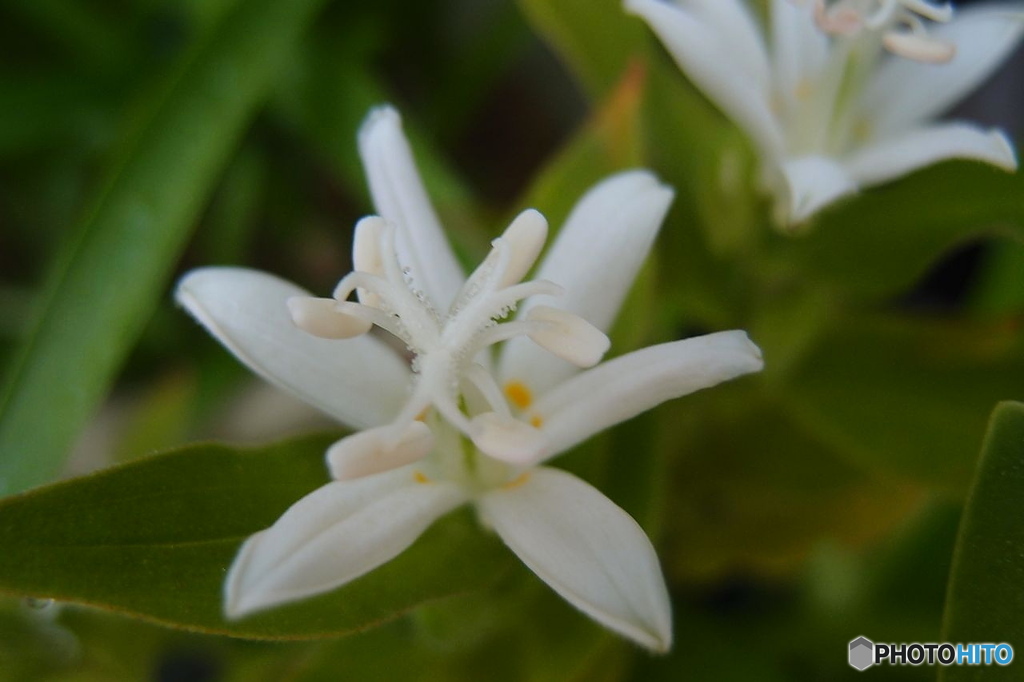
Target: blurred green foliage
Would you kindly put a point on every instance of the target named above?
(794, 510)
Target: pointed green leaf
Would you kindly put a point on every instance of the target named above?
(906, 397)
(753, 492)
(154, 539)
(880, 242)
(998, 291)
(985, 602)
(114, 267)
(695, 150)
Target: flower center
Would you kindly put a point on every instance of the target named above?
(451, 363)
(900, 23)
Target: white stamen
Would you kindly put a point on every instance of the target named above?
(382, 449)
(568, 336)
(884, 13)
(483, 282)
(501, 332)
(919, 47)
(389, 323)
(940, 13)
(366, 255)
(415, 311)
(488, 387)
(474, 322)
(508, 439)
(525, 237)
(838, 20)
(848, 18)
(445, 349)
(319, 317)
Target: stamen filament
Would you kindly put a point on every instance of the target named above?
(482, 281)
(362, 280)
(488, 387)
(414, 309)
(389, 323)
(503, 332)
(460, 331)
(883, 14)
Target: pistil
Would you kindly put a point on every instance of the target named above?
(447, 351)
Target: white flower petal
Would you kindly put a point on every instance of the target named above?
(732, 20)
(400, 197)
(905, 93)
(710, 60)
(799, 52)
(809, 184)
(622, 388)
(595, 258)
(603, 244)
(361, 382)
(889, 159)
(333, 535)
(587, 549)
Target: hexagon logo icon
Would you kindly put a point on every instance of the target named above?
(862, 653)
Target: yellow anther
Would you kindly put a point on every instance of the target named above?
(421, 477)
(536, 421)
(519, 394)
(517, 481)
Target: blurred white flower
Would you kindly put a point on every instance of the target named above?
(839, 96)
(899, 23)
(458, 425)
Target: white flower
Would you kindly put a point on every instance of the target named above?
(827, 109)
(899, 22)
(458, 425)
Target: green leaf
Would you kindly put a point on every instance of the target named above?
(985, 602)
(696, 151)
(594, 37)
(114, 267)
(880, 242)
(998, 291)
(158, 417)
(227, 231)
(518, 631)
(32, 645)
(154, 538)
(906, 397)
(79, 30)
(753, 492)
(705, 157)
